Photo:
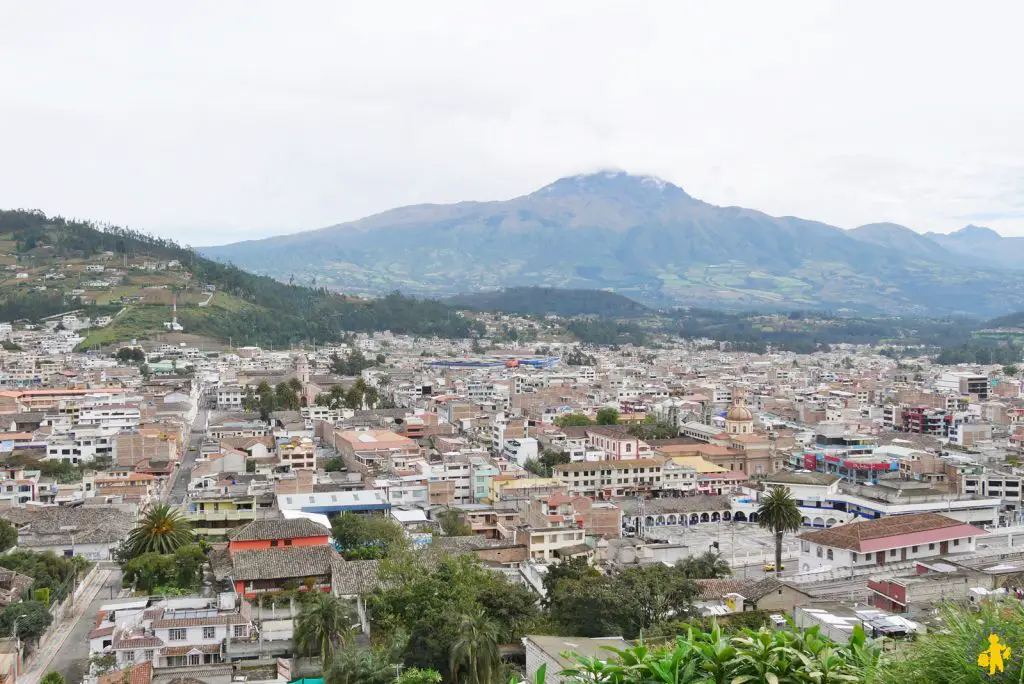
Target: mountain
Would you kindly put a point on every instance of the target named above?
(905, 241)
(55, 265)
(542, 301)
(640, 237)
(983, 245)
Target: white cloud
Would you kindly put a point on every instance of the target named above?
(211, 122)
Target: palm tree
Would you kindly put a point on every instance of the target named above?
(779, 513)
(361, 666)
(163, 529)
(324, 622)
(475, 652)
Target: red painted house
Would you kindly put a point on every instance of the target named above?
(277, 533)
(267, 555)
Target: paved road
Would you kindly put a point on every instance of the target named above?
(68, 651)
(180, 486)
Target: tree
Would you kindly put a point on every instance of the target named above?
(8, 535)
(323, 624)
(779, 513)
(162, 530)
(102, 663)
(371, 397)
(1010, 370)
(33, 617)
(427, 603)
(571, 569)
(607, 416)
(652, 428)
(147, 571)
(585, 603)
(286, 397)
(189, 563)
(453, 524)
(52, 677)
(360, 665)
(348, 530)
(549, 458)
(573, 420)
(355, 395)
(367, 537)
(708, 565)
(49, 570)
(475, 653)
(415, 675)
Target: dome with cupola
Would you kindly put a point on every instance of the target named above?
(739, 412)
(739, 420)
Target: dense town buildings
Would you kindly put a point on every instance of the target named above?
(887, 470)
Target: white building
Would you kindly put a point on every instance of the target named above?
(678, 478)
(963, 383)
(229, 398)
(886, 541)
(519, 451)
(81, 445)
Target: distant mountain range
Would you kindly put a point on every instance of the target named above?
(649, 240)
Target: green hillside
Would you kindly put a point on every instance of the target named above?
(51, 265)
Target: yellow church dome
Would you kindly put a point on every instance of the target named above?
(738, 412)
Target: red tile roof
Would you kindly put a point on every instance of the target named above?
(894, 531)
(137, 674)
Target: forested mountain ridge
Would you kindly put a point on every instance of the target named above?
(643, 238)
(52, 264)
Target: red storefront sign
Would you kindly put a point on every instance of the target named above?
(866, 466)
(810, 463)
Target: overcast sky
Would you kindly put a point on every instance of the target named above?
(218, 121)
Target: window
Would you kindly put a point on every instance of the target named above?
(931, 547)
(147, 655)
(209, 633)
(241, 630)
(854, 556)
(892, 553)
(819, 552)
(273, 542)
(913, 549)
(287, 542)
(176, 635)
(867, 556)
(956, 542)
(829, 555)
(194, 659)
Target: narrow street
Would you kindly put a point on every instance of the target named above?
(181, 477)
(67, 651)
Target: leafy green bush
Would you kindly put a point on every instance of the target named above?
(751, 657)
(950, 653)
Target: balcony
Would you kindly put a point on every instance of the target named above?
(236, 649)
(218, 516)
